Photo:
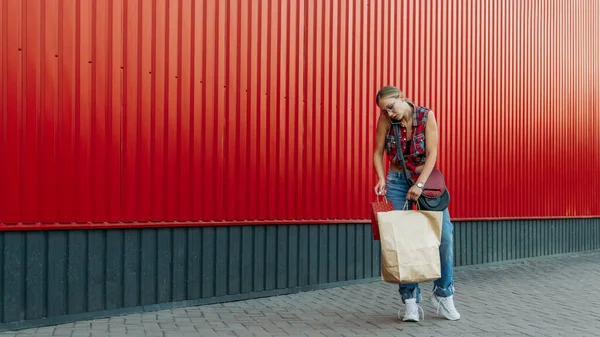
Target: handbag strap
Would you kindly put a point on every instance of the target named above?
(400, 151)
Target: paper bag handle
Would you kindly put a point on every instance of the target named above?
(406, 204)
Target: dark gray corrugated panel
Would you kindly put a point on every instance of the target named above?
(494, 241)
(52, 274)
(63, 275)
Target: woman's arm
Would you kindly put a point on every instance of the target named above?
(431, 141)
(382, 128)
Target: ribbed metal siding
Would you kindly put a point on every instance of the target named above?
(61, 117)
(54, 273)
(184, 110)
(479, 242)
(62, 274)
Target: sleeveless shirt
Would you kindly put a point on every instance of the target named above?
(414, 150)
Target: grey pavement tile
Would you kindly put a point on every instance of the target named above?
(62, 331)
(46, 330)
(191, 334)
(207, 332)
(173, 334)
(82, 334)
(154, 334)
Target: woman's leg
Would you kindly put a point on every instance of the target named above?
(397, 188)
(444, 286)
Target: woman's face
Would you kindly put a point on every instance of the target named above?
(394, 107)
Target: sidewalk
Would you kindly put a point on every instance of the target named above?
(556, 296)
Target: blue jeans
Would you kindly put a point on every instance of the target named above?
(397, 188)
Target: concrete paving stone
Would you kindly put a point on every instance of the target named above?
(188, 328)
(235, 325)
(292, 332)
(182, 319)
(100, 326)
(273, 329)
(361, 332)
(117, 330)
(47, 330)
(147, 315)
(150, 326)
(62, 331)
(135, 329)
(244, 319)
(255, 323)
(243, 333)
(154, 334)
(191, 334)
(168, 326)
(383, 333)
(133, 321)
(256, 329)
(206, 332)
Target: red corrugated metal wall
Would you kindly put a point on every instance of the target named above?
(160, 111)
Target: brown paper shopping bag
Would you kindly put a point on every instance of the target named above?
(410, 241)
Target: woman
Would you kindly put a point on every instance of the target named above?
(419, 146)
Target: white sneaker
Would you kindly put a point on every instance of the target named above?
(446, 306)
(411, 311)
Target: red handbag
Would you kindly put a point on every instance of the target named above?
(376, 207)
(435, 196)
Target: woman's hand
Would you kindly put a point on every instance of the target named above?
(414, 193)
(380, 187)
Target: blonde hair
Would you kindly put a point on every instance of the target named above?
(389, 91)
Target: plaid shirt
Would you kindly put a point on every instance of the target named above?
(414, 156)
